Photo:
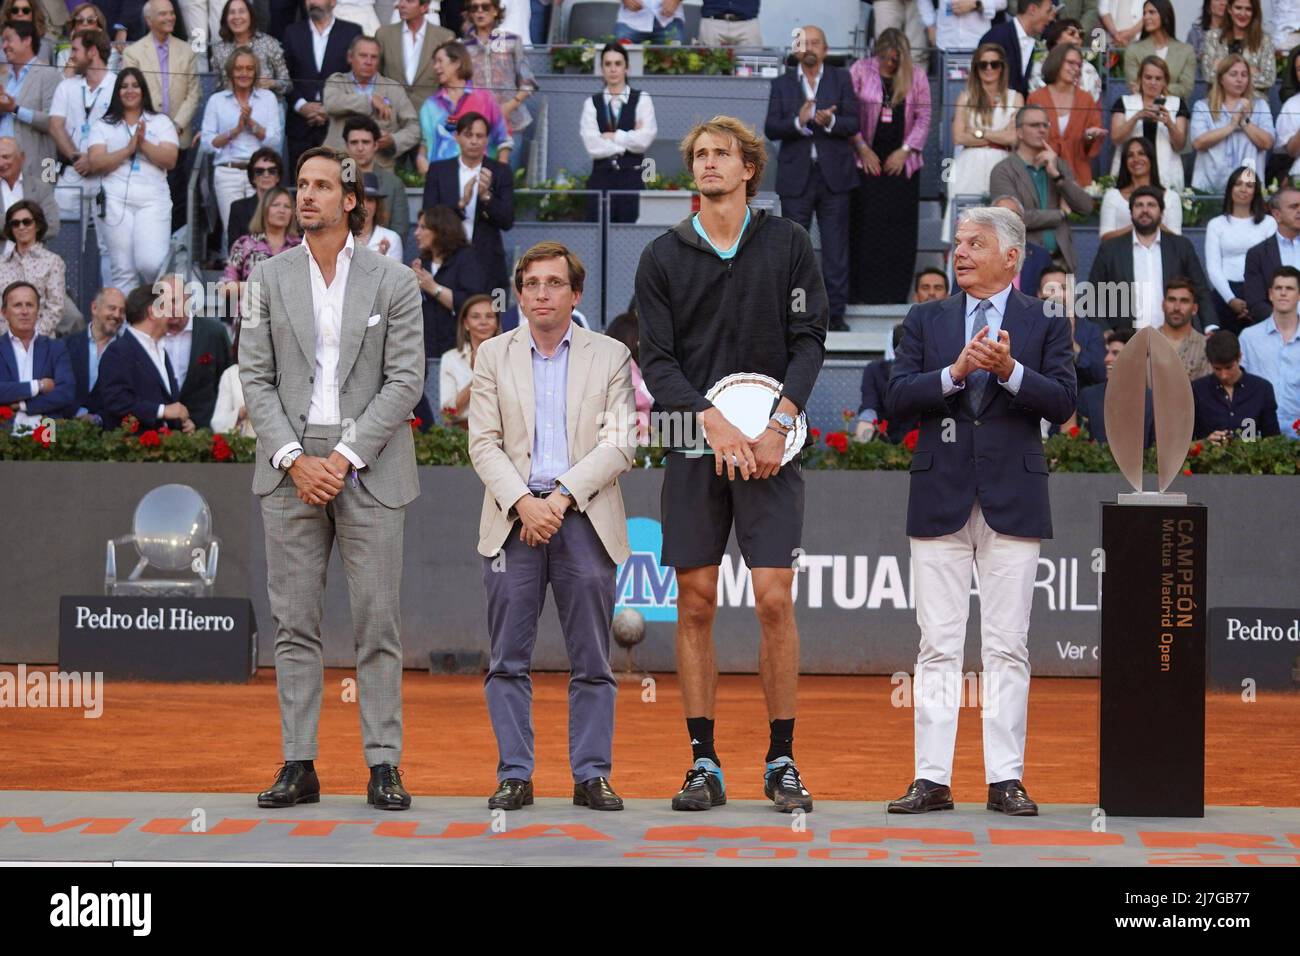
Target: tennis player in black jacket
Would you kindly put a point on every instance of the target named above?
(732, 289)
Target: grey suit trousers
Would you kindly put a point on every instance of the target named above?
(581, 573)
(299, 539)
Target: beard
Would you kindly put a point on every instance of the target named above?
(1146, 228)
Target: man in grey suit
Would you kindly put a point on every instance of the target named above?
(1033, 170)
(552, 424)
(19, 186)
(331, 360)
(27, 95)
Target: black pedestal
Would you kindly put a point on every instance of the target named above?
(1153, 661)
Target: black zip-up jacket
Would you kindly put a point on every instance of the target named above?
(702, 317)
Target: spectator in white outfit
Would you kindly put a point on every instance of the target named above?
(1122, 20)
(237, 122)
(132, 148)
(360, 12)
(1231, 127)
(230, 413)
(79, 102)
(375, 234)
(959, 24)
(478, 322)
(1286, 25)
(1245, 223)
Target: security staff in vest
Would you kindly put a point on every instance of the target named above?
(617, 127)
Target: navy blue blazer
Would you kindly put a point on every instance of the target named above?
(1037, 258)
(442, 188)
(875, 394)
(834, 153)
(49, 360)
(1004, 35)
(995, 454)
(128, 384)
(1090, 363)
(78, 346)
(308, 82)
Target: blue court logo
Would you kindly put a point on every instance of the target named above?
(642, 584)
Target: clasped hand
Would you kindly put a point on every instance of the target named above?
(984, 353)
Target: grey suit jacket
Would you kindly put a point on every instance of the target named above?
(34, 138)
(1011, 178)
(380, 370)
(1180, 58)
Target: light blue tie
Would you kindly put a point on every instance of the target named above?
(977, 379)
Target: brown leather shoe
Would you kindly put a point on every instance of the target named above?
(597, 794)
(922, 797)
(1009, 797)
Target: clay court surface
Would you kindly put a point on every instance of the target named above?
(851, 743)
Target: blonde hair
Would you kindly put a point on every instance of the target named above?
(1215, 96)
(895, 39)
(257, 225)
(977, 101)
(752, 151)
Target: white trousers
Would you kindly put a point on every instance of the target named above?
(1006, 567)
(139, 235)
(229, 184)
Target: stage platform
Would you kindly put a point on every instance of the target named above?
(125, 828)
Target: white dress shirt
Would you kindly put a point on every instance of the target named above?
(810, 93)
(319, 40)
(1286, 20)
(1026, 45)
(80, 108)
(10, 194)
(327, 311)
(643, 20)
(157, 355)
(23, 356)
(1148, 284)
(996, 313)
(959, 31)
(625, 141)
(221, 115)
(468, 173)
(178, 345)
(412, 44)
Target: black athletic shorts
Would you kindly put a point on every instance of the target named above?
(697, 508)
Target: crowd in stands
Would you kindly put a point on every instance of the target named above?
(112, 92)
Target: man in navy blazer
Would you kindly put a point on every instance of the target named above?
(1265, 258)
(307, 120)
(35, 374)
(813, 113)
(981, 370)
(85, 349)
(1016, 36)
(481, 190)
(135, 375)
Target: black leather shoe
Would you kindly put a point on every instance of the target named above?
(838, 324)
(922, 797)
(294, 784)
(511, 795)
(1009, 797)
(597, 794)
(385, 791)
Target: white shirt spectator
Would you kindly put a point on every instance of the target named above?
(79, 108)
(1149, 277)
(468, 173)
(1264, 352)
(1286, 24)
(24, 422)
(1288, 124)
(1227, 240)
(1115, 213)
(959, 31)
(230, 399)
(1026, 43)
(222, 114)
(643, 20)
(412, 44)
(454, 373)
(625, 141)
(156, 355)
(377, 237)
(142, 178)
(1123, 13)
(178, 345)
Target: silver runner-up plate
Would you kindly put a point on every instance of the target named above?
(748, 399)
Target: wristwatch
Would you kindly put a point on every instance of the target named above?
(289, 457)
(784, 420)
(978, 134)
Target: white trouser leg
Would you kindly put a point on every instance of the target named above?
(117, 227)
(1007, 566)
(942, 567)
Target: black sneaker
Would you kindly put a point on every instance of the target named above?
(703, 788)
(781, 785)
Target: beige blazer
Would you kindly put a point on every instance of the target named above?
(390, 60)
(183, 76)
(600, 419)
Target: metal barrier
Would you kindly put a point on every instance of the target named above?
(574, 217)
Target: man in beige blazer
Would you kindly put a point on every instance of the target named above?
(181, 101)
(30, 109)
(552, 424)
(362, 92)
(412, 33)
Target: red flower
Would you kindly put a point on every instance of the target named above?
(626, 41)
(417, 422)
(1074, 431)
(220, 448)
(149, 439)
(41, 435)
(1295, 426)
(131, 424)
(164, 431)
(1187, 471)
(1194, 450)
(205, 358)
(839, 441)
(6, 413)
(911, 438)
(815, 432)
